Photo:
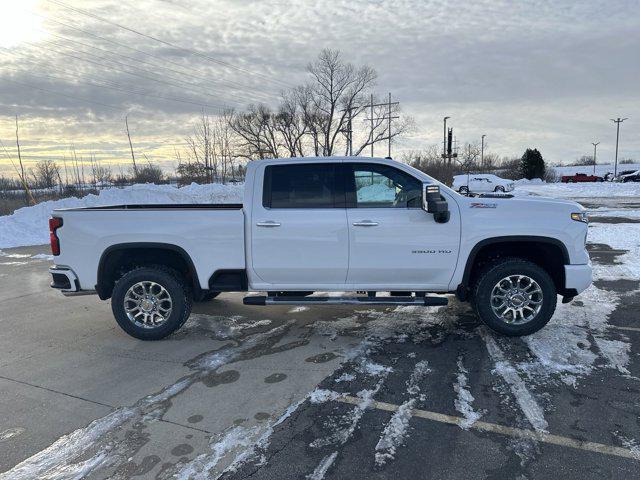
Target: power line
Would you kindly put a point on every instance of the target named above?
(229, 83)
(120, 89)
(164, 42)
(63, 94)
(121, 70)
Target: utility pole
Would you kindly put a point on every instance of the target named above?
(617, 121)
(482, 154)
(444, 141)
(595, 145)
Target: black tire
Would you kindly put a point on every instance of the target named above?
(499, 188)
(463, 190)
(172, 282)
(207, 297)
(489, 278)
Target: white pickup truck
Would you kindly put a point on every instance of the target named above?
(342, 224)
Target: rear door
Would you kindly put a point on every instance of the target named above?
(299, 226)
(394, 243)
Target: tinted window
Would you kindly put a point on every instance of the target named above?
(300, 186)
(382, 186)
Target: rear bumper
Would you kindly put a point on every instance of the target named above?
(65, 280)
(578, 277)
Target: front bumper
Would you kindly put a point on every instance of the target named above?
(578, 277)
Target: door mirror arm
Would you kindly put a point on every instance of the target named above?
(433, 202)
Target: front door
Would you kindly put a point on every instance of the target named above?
(299, 227)
(394, 243)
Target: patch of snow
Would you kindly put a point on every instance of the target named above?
(43, 256)
(321, 395)
(396, 429)
(630, 444)
(203, 464)
(322, 468)
(524, 398)
(14, 255)
(394, 433)
(29, 225)
(298, 309)
(374, 369)
(578, 190)
(465, 399)
(345, 377)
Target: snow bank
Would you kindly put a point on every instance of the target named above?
(577, 190)
(29, 225)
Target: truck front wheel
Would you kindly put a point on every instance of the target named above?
(514, 297)
(151, 303)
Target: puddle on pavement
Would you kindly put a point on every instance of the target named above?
(620, 286)
(613, 220)
(604, 254)
(321, 358)
(275, 378)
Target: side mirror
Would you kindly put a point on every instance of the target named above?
(433, 202)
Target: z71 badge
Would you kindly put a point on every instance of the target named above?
(483, 205)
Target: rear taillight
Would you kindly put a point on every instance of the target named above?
(54, 224)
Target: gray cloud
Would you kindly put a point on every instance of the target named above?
(538, 73)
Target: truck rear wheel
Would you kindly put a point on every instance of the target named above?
(515, 297)
(151, 303)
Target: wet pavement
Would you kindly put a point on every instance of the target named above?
(321, 392)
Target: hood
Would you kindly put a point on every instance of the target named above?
(525, 203)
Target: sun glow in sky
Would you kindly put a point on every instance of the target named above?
(18, 24)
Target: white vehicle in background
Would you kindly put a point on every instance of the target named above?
(481, 183)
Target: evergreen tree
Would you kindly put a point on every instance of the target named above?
(532, 164)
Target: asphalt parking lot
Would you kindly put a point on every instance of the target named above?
(324, 392)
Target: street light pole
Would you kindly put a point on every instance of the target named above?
(617, 121)
(482, 154)
(595, 145)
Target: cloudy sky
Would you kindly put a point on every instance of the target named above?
(527, 73)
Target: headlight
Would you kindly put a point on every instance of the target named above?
(580, 217)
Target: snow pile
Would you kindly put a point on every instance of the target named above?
(29, 225)
(577, 190)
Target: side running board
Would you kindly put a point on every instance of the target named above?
(286, 300)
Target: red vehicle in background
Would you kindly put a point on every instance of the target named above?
(581, 177)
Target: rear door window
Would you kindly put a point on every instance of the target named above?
(313, 185)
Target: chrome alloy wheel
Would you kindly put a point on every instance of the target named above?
(516, 299)
(148, 304)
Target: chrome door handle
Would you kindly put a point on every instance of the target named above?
(269, 223)
(365, 223)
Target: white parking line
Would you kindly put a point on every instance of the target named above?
(503, 430)
(630, 329)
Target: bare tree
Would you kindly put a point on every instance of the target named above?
(133, 157)
(45, 174)
(291, 125)
(257, 132)
(23, 179)
(337, 90)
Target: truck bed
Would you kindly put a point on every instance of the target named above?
(211, 235)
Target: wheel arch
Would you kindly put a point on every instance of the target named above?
(121, 256)
(549, 253)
